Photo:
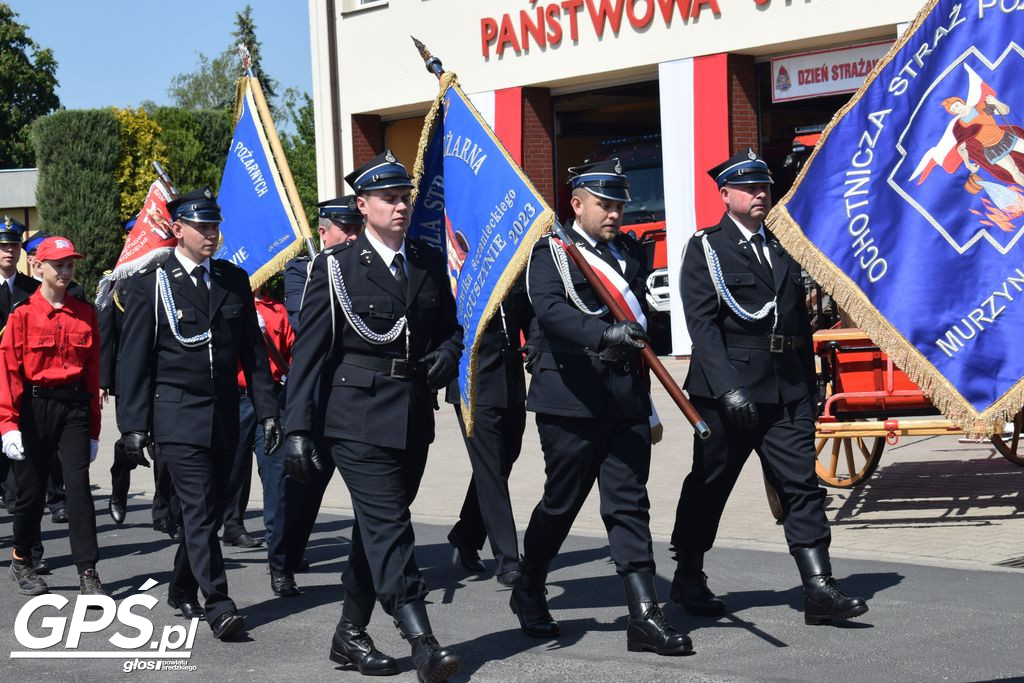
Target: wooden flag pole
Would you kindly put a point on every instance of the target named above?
(433, 65)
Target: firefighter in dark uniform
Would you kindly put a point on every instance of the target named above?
(165, 507)
(192, 321)
(752, 379)
(14, 288)
(378, 336)
(297, 504)
(591, 394)
(498, 423)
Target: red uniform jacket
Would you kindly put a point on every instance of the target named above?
(49, 347)
(281, 334)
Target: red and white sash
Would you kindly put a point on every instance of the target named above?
(616, 285)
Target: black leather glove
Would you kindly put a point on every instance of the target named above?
(441, 368)
(621, 341)
(300, 457)
(532, 354)
(740, 409)
(272, 435)
(624, 333)
(135, 445)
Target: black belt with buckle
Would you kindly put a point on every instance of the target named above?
(75, 391)
(775, 343)
(396, 368)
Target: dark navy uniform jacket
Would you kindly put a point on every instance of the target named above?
(354, 402)
(176, 392)
(568, 377)
(295, 273)
(111, 321)
(718, 365)
(23, 288)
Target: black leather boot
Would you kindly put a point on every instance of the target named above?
(528, 602)
(433, 663)
(648, 630)
(823, 601)
(352, 645)
(690, 587)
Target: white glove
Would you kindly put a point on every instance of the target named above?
(94, 448)
(12, 445)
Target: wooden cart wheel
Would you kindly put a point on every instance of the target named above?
(846, 462)
(1009, 448)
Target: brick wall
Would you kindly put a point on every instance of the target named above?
(538, 141)
(743, 128)
(367, 138)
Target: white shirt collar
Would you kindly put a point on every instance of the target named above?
(188, 264)
(10, 281)
(747, 234)
(590, 240)
(385, 252)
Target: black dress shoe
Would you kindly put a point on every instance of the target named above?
(228, 625)
(168, 526)
(510, 579)
(243, 540)
(189, 609)
(648, 630)
(41, 566)
(59, 516)
(283, 584)
(117, 510)
(352, 646)
(468, 557)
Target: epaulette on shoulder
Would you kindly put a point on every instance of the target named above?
(707, 230)
(154, 264)
(20, 303)
(338, 248)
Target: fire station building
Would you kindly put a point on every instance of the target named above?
(671, 87)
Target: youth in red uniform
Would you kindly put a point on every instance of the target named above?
(49, 406)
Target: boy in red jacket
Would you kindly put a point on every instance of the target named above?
(49, 403)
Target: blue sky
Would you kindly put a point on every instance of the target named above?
(122, 52)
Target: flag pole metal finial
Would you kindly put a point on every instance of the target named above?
(243, 54)
(432, 63)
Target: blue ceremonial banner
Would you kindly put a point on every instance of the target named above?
(259, 232)
(911, 209)
(474, 203)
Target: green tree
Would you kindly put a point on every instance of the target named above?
(78, 153)
(300, 149)
(245, 34)
(196, 144)
(27, 83)
(140, 147)
(212, 86)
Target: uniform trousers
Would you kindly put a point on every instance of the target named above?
(55, 429)
(784, 441)
(487, 510)
(382, 483)
(164, 503)
(578, 451)
(297, 508)
(250, 437)
(200, 476)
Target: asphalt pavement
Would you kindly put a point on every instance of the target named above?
(925, 622)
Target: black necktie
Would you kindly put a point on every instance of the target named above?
(5, 296)
(757, 242)
(204, 291)
(399, 263)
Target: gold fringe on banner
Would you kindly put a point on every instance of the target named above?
(522, 254)
(858, 306)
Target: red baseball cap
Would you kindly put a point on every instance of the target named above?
(55, 248)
